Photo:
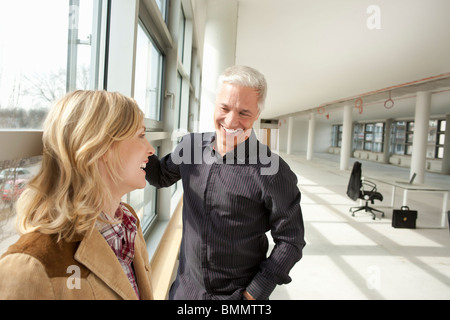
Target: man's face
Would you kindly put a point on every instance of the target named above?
(235, 111)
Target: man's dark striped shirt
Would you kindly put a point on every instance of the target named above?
(229, 204)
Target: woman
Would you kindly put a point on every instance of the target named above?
(71, 216)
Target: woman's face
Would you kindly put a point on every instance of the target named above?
(133, 153)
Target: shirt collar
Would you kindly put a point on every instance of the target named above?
(119, 233)
(244, 152)
(122, 217)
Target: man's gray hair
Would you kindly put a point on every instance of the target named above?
(246, 77)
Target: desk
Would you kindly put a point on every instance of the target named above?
(416, 188)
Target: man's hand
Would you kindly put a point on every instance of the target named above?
(247, 295)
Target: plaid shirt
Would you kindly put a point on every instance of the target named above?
(120, 233)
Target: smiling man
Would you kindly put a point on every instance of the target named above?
(235, 112)
(233, 195)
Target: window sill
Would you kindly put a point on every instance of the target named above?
(163, 245)
(25, 144)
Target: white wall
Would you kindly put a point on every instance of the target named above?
(322, 138)
(218, 53)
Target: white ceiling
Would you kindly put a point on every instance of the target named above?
(318, 53)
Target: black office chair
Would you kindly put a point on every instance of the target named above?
(359, 188)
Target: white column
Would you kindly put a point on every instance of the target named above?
(311, 132)
(346, 138)
(218, 53)
(421, 125)
(446, 158)
(289, 136)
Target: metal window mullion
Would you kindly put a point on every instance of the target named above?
(72, 45)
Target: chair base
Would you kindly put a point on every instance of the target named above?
(366, 208)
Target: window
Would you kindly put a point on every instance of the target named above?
(178, 99)
(409, 137)
(54, 52)
(162, 5)
(436, 139)
(336, 136)
(358, 136)
(431, 139)
(47, 48)
(50, 47)
(163, 62)
(369, 137)
(13, 178)
(181, 34)
(143, 202)
(402, 134)
(440, 139)
(148, 75)
(150, 196)
(378, 137)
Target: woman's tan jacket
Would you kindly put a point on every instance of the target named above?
(38, 267)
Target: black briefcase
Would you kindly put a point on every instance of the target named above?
(404, 218)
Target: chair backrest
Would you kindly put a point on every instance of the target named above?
(354, 184)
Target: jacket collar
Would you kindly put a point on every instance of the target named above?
(95, 253)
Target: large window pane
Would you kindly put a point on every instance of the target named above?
(33, 50)
(358, 137)
(148, 94)
(14, 176)
(148, 78)
(45, 50)
(400, 136)
(162, 5)
(143, 202)
(437, 128)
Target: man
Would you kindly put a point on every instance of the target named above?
(235, 190)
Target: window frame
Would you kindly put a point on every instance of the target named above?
(114, 71)
(442, 123)
(336, 135)
(405, 141)
(365, 136)
(151, 123)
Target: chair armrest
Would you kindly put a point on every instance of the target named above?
(370, 184)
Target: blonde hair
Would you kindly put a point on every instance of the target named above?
(68, 193)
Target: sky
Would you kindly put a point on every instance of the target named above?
(33, 40)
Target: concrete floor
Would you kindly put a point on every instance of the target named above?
(359, 258)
